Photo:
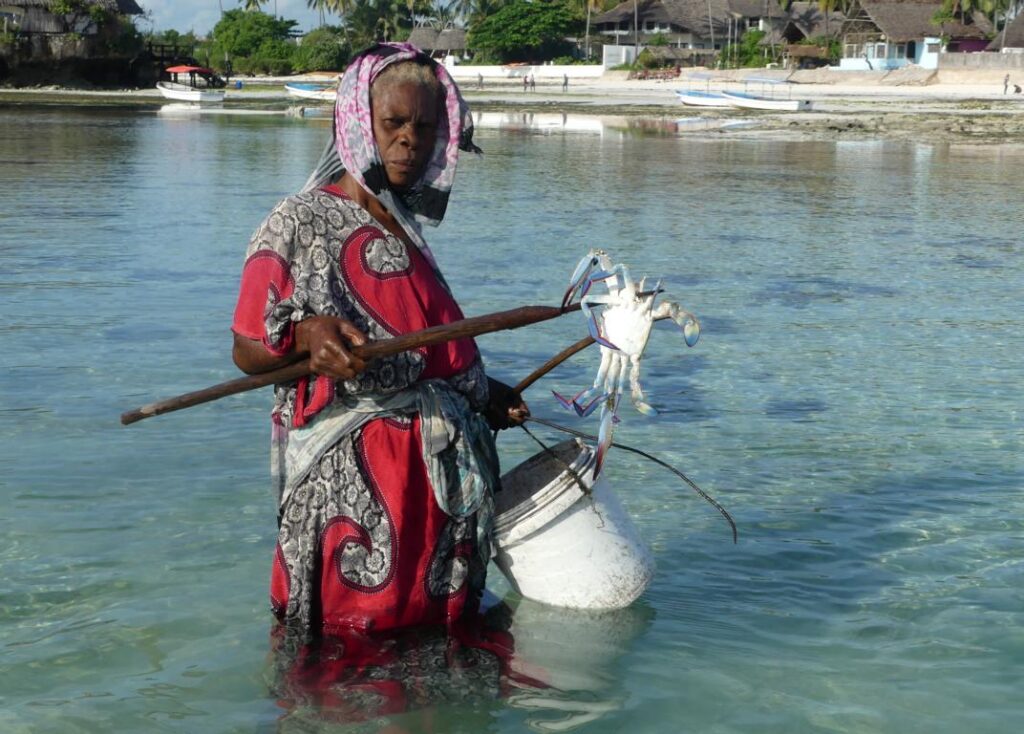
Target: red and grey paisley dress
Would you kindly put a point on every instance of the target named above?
(363, 543)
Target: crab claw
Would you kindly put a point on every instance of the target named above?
(587, 272)
(580, 280)
(684, 319)
(691, 330)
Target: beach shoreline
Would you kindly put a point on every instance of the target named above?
(974, 111)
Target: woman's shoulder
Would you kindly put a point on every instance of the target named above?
(307, 204)
(309, 214)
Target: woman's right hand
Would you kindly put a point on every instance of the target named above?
(328, 340)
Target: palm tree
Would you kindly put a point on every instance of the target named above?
(826, 7)
(389, 16)
(591, 5)
(340, 8)
(253, 5)
(443, 16)
(320, 6)
(471, 10)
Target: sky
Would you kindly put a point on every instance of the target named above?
(201, 15)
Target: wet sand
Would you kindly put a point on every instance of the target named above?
(974, 110)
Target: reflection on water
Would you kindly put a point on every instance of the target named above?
(602, 125)
(575, 653)
(559, 665)
(539, 122)
(357, 677)
(188, 109)
(546, 123)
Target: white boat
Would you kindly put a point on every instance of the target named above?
(203, 85)
(693, 98)
(185, 93)
(753, 102)
(319, 92)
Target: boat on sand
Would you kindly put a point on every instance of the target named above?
(754, 102)
(203, 85)
(693, 98)
(319, 92)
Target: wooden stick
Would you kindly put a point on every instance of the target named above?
(554, 362)
(557, 360)
(466, 328)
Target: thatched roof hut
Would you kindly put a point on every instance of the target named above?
(809, 18)
(697, 17)
(35, 16)
(912, 20)
(704, 18)
(1011, 37)
(433, 41)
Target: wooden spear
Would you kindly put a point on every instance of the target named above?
(466, 328)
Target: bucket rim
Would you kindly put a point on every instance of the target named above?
(549, 501)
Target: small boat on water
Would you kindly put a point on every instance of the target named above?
(320, 92)
(693, 98)
(753, 102)
(203, 85)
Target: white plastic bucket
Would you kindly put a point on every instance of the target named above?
(559, 545)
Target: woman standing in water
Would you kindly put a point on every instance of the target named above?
(385, 471)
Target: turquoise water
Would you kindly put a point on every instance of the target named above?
(854, 402)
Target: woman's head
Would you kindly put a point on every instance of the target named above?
(406, 101)
(381, 91)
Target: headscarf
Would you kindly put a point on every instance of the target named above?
(354, 148)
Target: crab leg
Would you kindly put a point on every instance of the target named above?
(636, 392)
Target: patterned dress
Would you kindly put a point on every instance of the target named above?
(363, 542)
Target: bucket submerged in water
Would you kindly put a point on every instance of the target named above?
(560, 545)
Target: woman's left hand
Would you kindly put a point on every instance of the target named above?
(506, 407)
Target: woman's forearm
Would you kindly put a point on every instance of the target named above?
(326, 340)
(253, 358)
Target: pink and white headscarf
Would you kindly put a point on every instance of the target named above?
(427, 200)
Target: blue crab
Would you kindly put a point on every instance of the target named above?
(620, 321)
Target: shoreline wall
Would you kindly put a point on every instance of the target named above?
(981, 62)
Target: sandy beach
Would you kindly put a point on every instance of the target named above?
(970, 107)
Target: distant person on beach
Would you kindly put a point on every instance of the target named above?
(479, 81)
(1006, 83)
(526, 82)
(384, 470)
(533, 83)
(565, 82)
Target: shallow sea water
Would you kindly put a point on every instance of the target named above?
(854, 402)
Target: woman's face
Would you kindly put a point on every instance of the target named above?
(405, 128)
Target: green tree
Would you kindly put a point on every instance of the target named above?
(748, 52)
(383, 20)
(242, 34)
(526, 31)
(76, 15)
(473, 11)
(253, 6)
(324, 49)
